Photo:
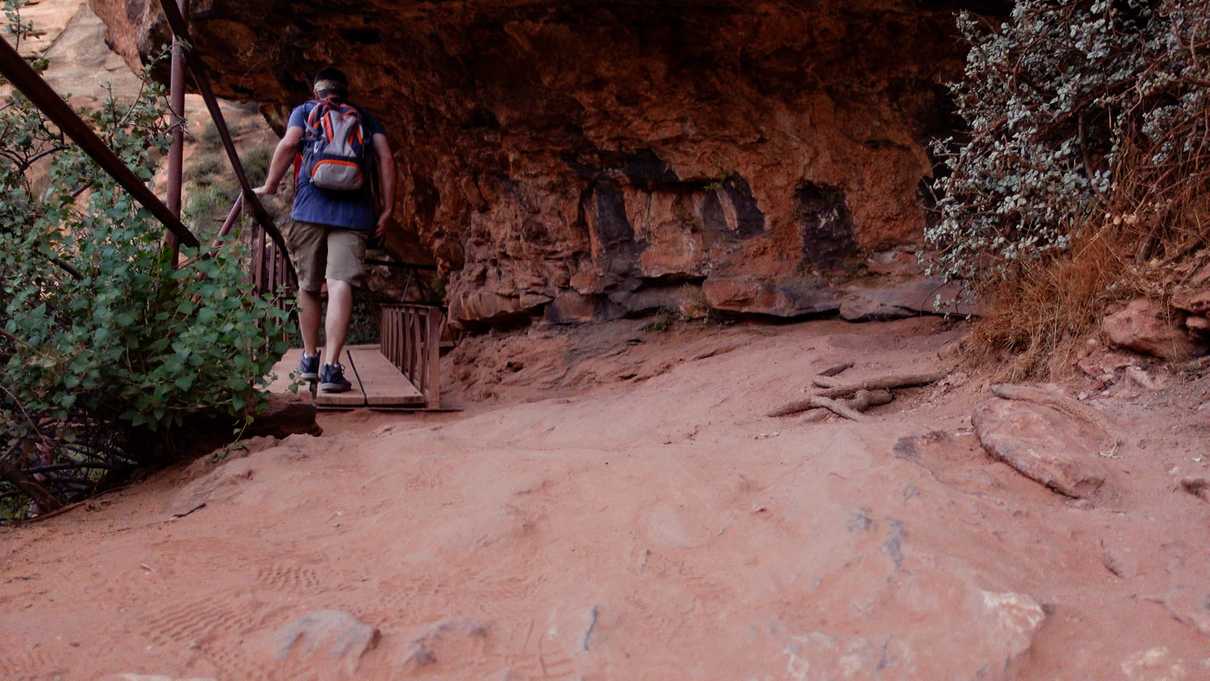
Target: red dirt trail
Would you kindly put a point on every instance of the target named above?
(617, 506)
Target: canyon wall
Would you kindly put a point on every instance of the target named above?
(590, 159)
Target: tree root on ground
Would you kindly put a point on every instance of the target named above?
(884, 383)
(871, 392)
(850, 409)
(860, 403)
(837, 370)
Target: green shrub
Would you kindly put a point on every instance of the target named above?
(212, 187)
(105, 349)
(663, 322)
(1084, 177)
(20, 28)
(1079, 113)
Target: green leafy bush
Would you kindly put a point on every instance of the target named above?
(1084, 176)
(1079, 113)
(105, 348)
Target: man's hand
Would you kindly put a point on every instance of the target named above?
(283, 156)
(386, 181)
(380, 230)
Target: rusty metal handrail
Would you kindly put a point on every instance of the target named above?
(24, 78)
(176, 21)
(229, 223)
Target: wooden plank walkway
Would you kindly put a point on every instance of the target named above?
(376, 382)
(383, 383)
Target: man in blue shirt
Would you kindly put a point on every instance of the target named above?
(332, 219)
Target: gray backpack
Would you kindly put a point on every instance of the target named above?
(336, 154)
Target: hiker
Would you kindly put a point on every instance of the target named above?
(333, 145)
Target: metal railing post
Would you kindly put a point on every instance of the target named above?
(202, 79)
(176, 154)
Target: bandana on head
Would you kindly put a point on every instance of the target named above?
(325, 88)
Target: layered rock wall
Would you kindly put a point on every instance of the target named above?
(588, 159)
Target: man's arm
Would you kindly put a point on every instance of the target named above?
(386, 181)
(282, 157)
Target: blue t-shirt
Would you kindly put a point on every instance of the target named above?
(344, 210)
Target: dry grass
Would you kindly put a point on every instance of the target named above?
(1152, 233)
(1036, 320)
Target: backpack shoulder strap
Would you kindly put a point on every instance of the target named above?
(313, 131)
(315, 113)
(368, 156)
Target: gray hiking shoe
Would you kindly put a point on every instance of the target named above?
(308, 367)
(332, 379)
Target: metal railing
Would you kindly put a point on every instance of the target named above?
(270, 271)
(180, 32)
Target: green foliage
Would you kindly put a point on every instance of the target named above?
(105, 348)
(1072, 107)
(364, 321)
(19, 27)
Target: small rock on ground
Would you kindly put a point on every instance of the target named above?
(338, 634)
(1145, 326)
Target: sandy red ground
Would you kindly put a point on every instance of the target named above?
(620, 508)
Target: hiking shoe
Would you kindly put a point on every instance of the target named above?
(308, 367)
(332, 379)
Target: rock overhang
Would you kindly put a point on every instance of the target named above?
(732, 155)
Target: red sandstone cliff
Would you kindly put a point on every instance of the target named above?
(588, 159)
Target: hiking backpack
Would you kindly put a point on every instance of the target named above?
(336, 156)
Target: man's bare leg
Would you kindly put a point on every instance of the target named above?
(340, 310)
(308, 321)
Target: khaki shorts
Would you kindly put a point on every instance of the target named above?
(320, 252)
